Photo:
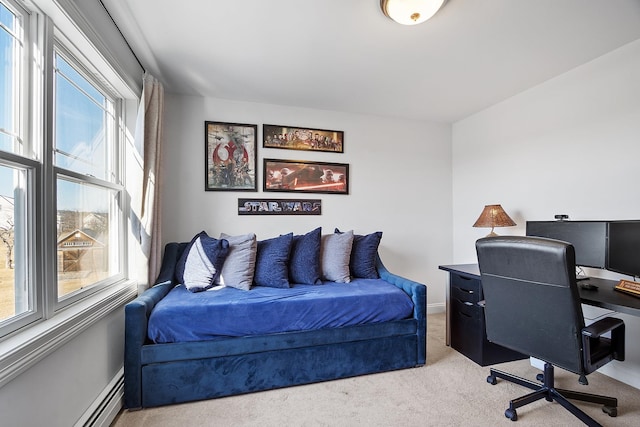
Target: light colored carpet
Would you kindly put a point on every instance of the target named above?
(450, 390)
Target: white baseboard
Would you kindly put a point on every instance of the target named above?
(107, 405)
(436, 308)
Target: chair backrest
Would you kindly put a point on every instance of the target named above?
(531, 295)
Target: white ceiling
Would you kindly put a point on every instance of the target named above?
(345, 55)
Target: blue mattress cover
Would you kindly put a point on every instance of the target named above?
(186, 316)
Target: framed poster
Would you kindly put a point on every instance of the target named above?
(295, 138)
(230, 156)
(305, 176)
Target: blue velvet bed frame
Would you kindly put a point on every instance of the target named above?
(161, 374)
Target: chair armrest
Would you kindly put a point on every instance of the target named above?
(172, 253)
(136, 317)
(418, 293)
(593, 340)
(602, 326)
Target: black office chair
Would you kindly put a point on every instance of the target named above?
(532, 306)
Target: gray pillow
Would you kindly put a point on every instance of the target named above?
(239, 267)
(335, 254)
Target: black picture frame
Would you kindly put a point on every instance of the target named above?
(230, 156)
(302, 176)
(305, 139)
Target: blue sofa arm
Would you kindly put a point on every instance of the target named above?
(136, 315)
(418, 293)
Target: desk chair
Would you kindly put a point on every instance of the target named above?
(532, 306)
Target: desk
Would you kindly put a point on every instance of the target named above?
(465, 320)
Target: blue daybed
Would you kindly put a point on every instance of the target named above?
(160, 372)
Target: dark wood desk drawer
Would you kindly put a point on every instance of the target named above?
(468, 308)
(468, 335)
(465, 289)
(466, 322)
(467, 328)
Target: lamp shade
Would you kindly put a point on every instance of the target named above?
(410, 12)
(494, 216)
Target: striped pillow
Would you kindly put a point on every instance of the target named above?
(201, 262)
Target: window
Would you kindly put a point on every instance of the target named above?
(86, 227)
(62, 201)
(18, 301)
(87, 185)
(83, 122)
(14, 286)
(11, 43)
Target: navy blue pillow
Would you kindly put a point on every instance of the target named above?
(272, 262)
(201, 262)
(364, 254)
(304, 262)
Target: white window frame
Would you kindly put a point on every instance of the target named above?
(21, 67)
(52, 323)
(25, 158)
(113, 181)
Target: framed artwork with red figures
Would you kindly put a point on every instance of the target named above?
(305, 176)
(230, 156)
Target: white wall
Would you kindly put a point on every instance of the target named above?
(570, 146)
(60, 388)
(400, 182)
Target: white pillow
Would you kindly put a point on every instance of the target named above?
(239, 266)
(335, 254)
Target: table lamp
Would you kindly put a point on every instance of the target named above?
(493, 216)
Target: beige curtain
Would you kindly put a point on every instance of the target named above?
(149, 139)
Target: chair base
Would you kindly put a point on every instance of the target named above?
(550, 393)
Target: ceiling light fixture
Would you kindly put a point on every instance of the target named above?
(410, 12)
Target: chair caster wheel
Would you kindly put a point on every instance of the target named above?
(612, 411)
(540, 377)
(511, 414)
(492, 380)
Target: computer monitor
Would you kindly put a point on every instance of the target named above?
(589, 238)
(623, 255)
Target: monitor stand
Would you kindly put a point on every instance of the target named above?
(580, 274)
